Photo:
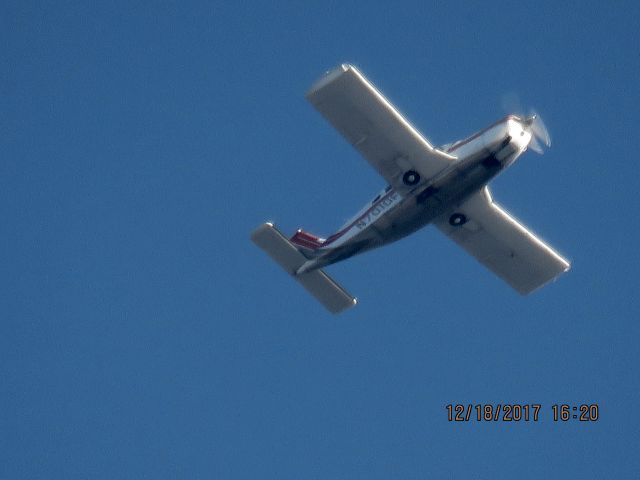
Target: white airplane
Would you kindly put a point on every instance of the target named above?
(445, 186)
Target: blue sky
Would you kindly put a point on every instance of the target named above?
(142, 335)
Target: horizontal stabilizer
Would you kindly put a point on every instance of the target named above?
(319, 284)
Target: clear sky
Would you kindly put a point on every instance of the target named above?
(142, 335)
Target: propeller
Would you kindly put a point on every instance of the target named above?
(539, 133)
(532, 123)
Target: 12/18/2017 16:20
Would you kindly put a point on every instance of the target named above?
(520, 412)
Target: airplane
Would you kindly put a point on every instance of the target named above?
(445, 186)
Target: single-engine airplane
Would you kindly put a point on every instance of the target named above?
(445, 186)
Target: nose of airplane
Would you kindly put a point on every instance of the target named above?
(519, 133)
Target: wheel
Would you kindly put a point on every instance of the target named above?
(411, 177)
(457, 219)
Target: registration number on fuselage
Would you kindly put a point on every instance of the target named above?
(374, 213)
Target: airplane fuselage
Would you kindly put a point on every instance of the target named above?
(393, 215)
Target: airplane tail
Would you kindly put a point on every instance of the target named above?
(291, 259)
(307, 242)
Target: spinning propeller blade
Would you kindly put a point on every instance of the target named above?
(539, 133)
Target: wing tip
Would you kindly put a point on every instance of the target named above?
(260, 229)
(352, 302)
(329, 77)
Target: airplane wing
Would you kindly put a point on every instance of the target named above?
(374, 127)
(503, 245)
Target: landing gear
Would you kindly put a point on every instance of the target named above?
(411, 178)
(457, 219)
